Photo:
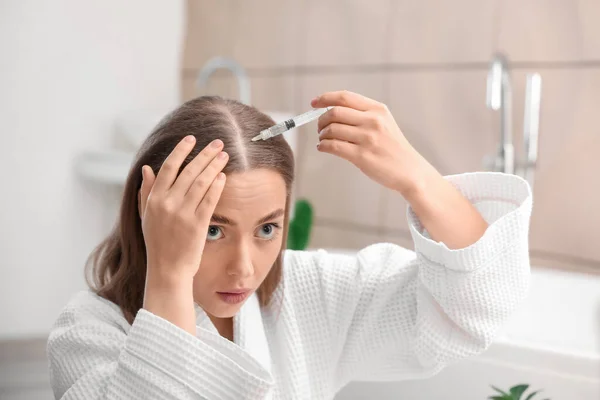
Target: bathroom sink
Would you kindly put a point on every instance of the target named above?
(112, 166)
(134, 126)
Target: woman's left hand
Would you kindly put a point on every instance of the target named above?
(364, 132)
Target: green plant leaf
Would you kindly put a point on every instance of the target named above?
(518, 390)
(300, 226)
(499, 398)
(532, 394)
(502, 392)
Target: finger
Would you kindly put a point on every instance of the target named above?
(202, 183)
(148, 179)
(345, 150)
(168, 171)
(342, 115)
(345, 98)
(195, 167)
(207, 206)
(337, 131)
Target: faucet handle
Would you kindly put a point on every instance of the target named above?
(495, 78)
(531, 124)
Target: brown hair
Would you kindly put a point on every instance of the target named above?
(118, 264)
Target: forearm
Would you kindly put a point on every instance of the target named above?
(171, 298)
(445, 213)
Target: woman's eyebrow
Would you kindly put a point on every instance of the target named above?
(222, 220)
(219, 219)
(271, 216)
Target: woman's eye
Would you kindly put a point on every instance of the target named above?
(267, 231)
(214, 233)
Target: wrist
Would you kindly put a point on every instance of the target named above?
(423, 182)
(161, 288)
(167, 278)
(172, 298)
(169, 272)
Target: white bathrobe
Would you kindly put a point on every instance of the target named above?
(386, 314)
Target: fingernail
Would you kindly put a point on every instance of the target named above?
(318, 145)
(221, 176)
(190, 138)
(222, 155)
(314, 100)
(216, 143)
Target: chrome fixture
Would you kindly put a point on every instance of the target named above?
(531, 125)
(499, 98)
(236, 69)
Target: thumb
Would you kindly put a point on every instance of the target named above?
(148, 179)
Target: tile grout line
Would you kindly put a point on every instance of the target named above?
(358, 227)
(190, 72)
(339, 224)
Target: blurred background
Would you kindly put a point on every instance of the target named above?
(83, 82)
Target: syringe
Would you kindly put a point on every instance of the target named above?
(291, 123)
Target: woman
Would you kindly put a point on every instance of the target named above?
(194, 296)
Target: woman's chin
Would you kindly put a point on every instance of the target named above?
(220, 312)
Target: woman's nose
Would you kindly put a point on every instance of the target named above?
(242, 269)
(241, 264)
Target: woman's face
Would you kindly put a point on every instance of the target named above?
(243, 241)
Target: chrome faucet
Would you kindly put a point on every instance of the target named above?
(531, 125)
(499, 98)
(238, 71)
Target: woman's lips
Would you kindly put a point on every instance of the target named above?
(234, 297)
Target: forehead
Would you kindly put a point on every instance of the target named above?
(250, 195)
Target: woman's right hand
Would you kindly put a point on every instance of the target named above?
(176, 213)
